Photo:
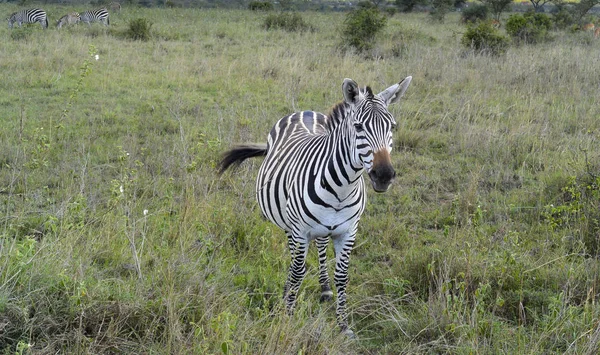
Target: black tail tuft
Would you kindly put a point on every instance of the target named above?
(236, 155)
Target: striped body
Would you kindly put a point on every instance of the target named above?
(99, 15)
(311, 181)
(68, 19)
(28, 16)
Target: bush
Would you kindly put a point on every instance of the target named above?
(440, 9)
(287, 21)
(529, 27)
(260, 6)
(139, 29)
(408, 5)
(475, 13)
(484, 39)
(361, 26)
(563, 19)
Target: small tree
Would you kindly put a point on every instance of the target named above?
(139, 29)
(529, 27)
(483, 38)
(361, 26)
(583, 7)
(408, 5)
(497, 6)
(440, 9)
(538, 5)
(477, 12)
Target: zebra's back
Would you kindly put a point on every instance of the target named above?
(98, 15)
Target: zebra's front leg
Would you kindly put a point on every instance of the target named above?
(326, 293)
(343, 247)
(298, 249)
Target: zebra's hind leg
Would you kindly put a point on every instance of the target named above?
(326, 293)
(298, 250)
(343, 246)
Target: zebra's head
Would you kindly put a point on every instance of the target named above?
(373, 123)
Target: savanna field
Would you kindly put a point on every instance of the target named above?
(118, 236)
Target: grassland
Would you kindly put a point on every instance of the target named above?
(116, 235)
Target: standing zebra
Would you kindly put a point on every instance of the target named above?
(311, 181)
(115, 6)
(28, 16)
(100, 15)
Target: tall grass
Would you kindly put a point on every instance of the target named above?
(117, 236)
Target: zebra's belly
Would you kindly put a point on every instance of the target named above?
(322, 221)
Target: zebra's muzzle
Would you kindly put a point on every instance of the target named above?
(382, 173)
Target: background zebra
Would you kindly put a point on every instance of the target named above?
(100, 15)
(28, 16)
(311, 181)
(115, 6)
(68, 19)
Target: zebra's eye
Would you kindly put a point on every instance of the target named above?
(359, 127)
(394, 126)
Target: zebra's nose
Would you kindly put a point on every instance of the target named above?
(381, 177)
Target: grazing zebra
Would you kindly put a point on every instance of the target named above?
(28, 16)
(68, 19)
(115, 6)
(100, 15)
(311, 181)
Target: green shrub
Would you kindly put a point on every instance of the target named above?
(563, 19)
(408, 5)
(260, 6)
(287, 21)
(475, 13)
(529, 27)
(139, 29)
(366, 5)
(440, 8)
(361, 26)
(483, 38)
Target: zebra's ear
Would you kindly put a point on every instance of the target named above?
(351, 91)
(395, 92)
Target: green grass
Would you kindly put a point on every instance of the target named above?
(487, 241)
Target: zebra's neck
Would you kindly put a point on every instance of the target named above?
(343, 168)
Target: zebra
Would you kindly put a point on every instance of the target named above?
(28, 16)
(68, 19)
(311, 183)
(115, 6)
(100, 15)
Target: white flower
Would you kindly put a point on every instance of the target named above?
(121, 189)
(145, 212)
(97, 56)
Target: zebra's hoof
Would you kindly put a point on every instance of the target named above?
(326, 296)
(349, 333)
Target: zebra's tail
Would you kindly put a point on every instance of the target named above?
(45, 23)
(236, 155)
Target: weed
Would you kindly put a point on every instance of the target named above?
(140, 29)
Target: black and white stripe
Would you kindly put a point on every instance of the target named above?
(311, 181)
(99, 15)
(28, 16)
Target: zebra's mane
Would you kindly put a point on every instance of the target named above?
(339, 111)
